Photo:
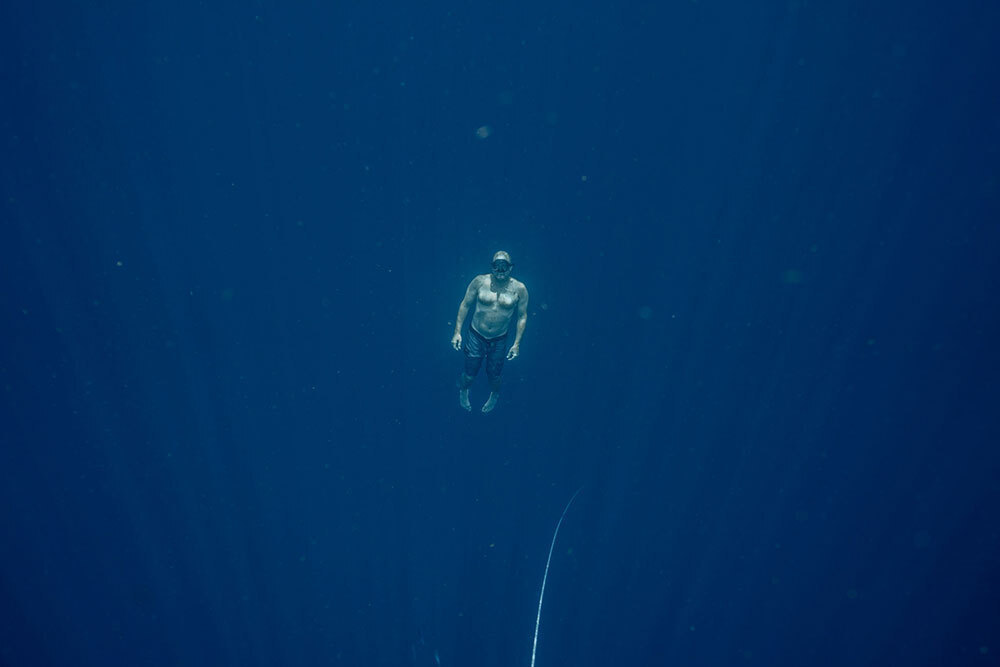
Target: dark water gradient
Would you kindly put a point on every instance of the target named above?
(761, 245)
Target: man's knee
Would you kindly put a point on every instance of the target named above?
(465, 380)
(472, 365)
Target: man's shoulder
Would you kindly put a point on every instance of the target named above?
(519, 286)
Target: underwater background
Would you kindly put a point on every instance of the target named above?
(760, 241)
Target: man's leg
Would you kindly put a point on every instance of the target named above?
(473, 360)
(494, 366)
(464, 381)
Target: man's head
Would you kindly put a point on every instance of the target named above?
(501, 265)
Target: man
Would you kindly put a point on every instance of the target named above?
(497, 297)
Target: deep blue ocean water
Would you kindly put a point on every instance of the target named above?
(760, 241)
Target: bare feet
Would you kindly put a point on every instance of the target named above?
(463, 399)
(492, 402)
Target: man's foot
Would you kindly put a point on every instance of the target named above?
(463, 399)
(492, 402)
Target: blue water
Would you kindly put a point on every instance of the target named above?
(760, 241)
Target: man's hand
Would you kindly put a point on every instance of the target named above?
(456, 340)
(513, 352)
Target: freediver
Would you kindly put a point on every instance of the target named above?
(497, 296)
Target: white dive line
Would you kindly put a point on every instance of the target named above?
(541, 593)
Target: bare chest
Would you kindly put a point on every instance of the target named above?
(492, 299)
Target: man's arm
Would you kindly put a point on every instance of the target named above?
(463, 311)
(522, 322)
(467, 300)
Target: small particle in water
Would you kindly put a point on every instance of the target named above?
(792, 277)
(645, 313)
(484, 131)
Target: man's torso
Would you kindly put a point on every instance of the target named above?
(496, 304)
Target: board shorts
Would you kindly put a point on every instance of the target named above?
(478, 348)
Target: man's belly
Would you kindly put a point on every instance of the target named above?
(491, 324)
